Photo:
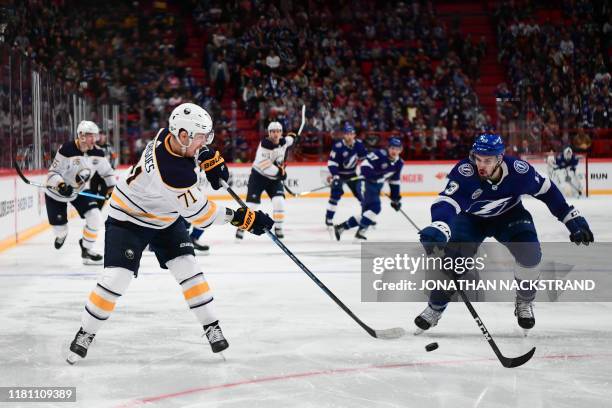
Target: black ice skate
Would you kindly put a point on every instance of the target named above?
(79, 346)
(523, 310)
(59, 242)
(89, 257)
(202, 249)
(427, 319)
(278, 231)
(215, 337)
(239, 235)
(338, 230)
(360, 234)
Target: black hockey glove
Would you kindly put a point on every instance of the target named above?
(434, 236)
(295, 137)
(214, 167)
(396, 204)
(336, 182)
(256, 222)
(580, 233)
(64, 189)
(282, 173)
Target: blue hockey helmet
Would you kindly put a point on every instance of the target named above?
(395, 142)
(488, 144)
(348, 128)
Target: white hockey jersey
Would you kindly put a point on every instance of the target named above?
(73, 167)
(269, 156)
(161, 187)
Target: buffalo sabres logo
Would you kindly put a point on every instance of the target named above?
(187, 111)
(466, 170)
(521, 167)
(95, 161)
(476, 194)
(129, 254)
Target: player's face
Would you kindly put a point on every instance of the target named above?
(486, 165)
(394, 152)
(349, 138)
(198, 141)
(86, 141)
(275, 135)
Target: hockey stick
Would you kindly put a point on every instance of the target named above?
(299, 132)
(303, 193)
(386, 334)
(568, 180)
(40, 185)
(508, 362)
(407, 217)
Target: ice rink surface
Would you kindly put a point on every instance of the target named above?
(290, 345)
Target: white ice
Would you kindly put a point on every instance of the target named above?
(290, 345)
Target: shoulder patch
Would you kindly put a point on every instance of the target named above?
(175, 171)
(338, 145)
(451, 188)
(521, 167)
(466, 170)
(70, 149)
(476, 194)
(96, 151)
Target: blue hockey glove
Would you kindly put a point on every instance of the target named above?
(397, 204)
(580, 233)
(434, 236)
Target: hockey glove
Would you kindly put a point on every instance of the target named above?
(434, 236)
(336, 182)
(214, 167)
(282, 173)
(295, 137)
(580, 233)
(64, 189)
(397, 204)
(256, 222)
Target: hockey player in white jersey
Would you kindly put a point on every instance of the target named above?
(562, 170)
(73, 166)
(268, 173)
(148, 207)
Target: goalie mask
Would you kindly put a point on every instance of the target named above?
(192, 119)
(568, 153)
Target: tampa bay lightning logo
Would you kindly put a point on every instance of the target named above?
(466, 170)
(521, 167)
(489, 208)
(351, 163)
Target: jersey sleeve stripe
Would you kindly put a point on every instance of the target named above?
(449, 200)
(197, 212)
(545, 187)
(331, 163)
(211, 211)
(114, 207)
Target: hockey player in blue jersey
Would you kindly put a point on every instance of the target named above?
(378, 167)
(562, 169)
(483, 199)
(342, 165)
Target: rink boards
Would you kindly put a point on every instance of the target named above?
(22, 207)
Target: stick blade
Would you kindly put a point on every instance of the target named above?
(390, 334)
(518, 361)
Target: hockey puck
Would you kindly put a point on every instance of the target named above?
(431, 346)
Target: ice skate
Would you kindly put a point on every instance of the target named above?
(201, 248)
(360, 235)
(215, 337)
(523, 310)
(239, 235)
(79, 346)
(59, 242)
(89, 257)
(338, 230)
(427, 319)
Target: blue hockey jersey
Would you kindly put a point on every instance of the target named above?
(378, 168)
(343, 159)
(467, 192)
(562, 163)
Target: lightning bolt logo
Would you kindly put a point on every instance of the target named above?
(488, 208)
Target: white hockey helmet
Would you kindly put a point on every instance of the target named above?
(87, 126)
(275, 126)
(193, 119)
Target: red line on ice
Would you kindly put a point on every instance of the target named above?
(146, 400)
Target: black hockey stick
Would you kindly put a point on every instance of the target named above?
(507, 362)
(299, 132)
(386, 334)
(407, 217)
(40, 185)
(303, 193)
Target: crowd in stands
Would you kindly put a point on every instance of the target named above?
(558, 70)
(391, 67)
(386, 67)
